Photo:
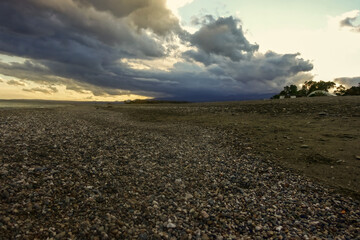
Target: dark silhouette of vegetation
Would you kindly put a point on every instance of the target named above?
(340, 90)
(287, 92)
(312, 86)
(353, 91)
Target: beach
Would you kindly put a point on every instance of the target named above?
(255, 169)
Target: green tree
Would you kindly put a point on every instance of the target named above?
(293, 90)
(310, 86)
(307, 88)
(302, 92)
(289, 91)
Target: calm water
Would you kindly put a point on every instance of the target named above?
(26, 104)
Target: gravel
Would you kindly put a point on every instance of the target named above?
(81, 173)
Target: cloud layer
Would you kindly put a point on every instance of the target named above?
(15, 83)
(103, 46)
(348, 20)
(348, 81)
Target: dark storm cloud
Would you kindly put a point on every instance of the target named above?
(226, 53)
(71, 42)
(55, 29)
(80, 44)
(223, 37)
(147, 14)
(269, 66)
(349, 22)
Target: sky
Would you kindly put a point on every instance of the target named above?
(194, 50)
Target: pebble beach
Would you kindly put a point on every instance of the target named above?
(84, 172)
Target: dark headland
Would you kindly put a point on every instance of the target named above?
(276, 169)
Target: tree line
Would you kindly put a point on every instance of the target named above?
(317, 87)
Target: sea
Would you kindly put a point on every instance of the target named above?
(29, 104)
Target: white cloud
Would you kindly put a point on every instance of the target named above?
(175, 5)
(335, 51)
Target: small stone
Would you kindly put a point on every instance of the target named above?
(3, 172)
(5, 194)
(184, 236)
(60, 235)
(104, 235)
(37, 207)
(258, 227)
(188, 196)
(323, 114)
(278, 228)
(143, 236)
(357, 157)
(204, 214)
(171, 225)
(204, 236)
(219, 237)
(304, 146)
(178, 181)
